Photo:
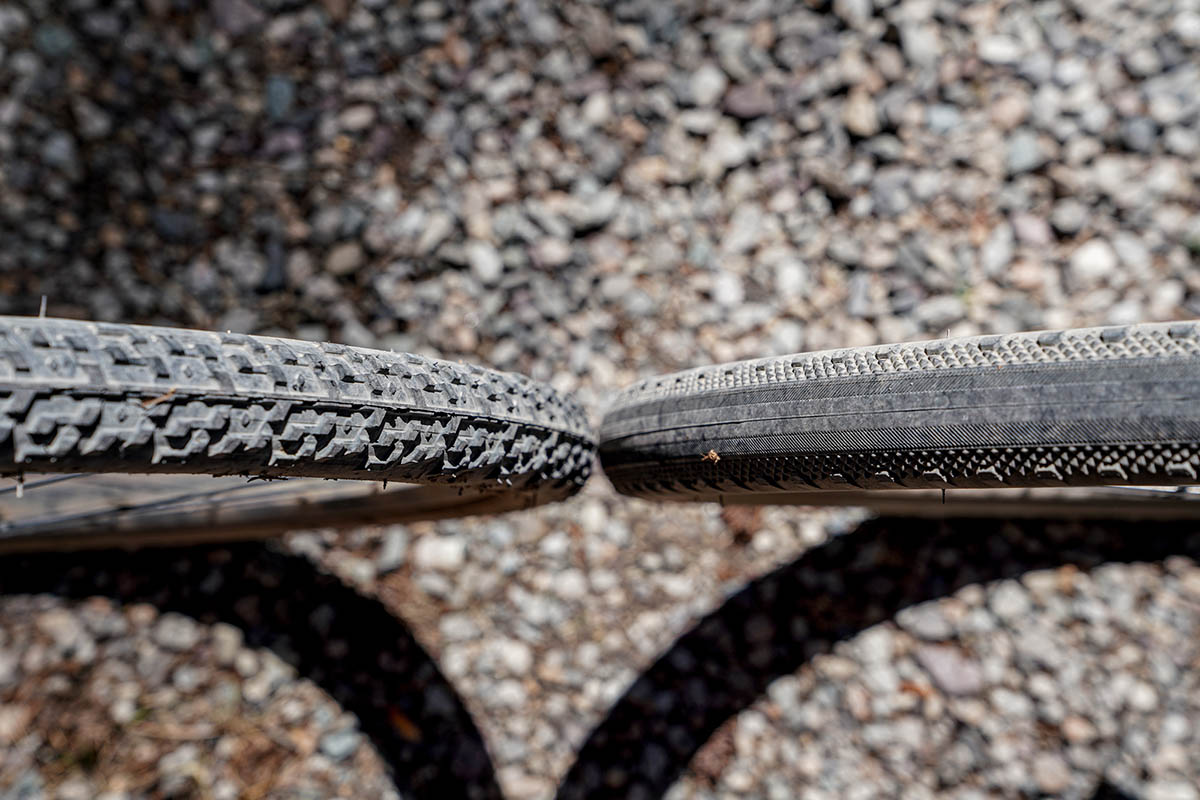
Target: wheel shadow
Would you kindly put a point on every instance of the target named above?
(830, 594)
(346, 643)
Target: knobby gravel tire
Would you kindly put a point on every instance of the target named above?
(97, 397)
(1115, 405)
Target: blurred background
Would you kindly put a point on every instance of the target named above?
(589, 193)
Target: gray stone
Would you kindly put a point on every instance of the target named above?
(1139, 134)
(1023, 152)
(176, 632)
(889, 192)
(1051, 773)
(345, 259)
(53, 40)
(550, 252)
(1009, 601)
(939, 313)
(59, 151)
(236, 17)
(438, 226)
(854, 13)
(484, 261)
(951, 671)
(357, 117)
(340, 745)
(1032, 230)
(942, 118)
(997, 251)
(1092, 264)
(176, 226)
(749, 101)
(393, 552)
(1001, 50)
(439, 553)
(920, 43)
(859, 114)
(925, 621)
(27, 786)
(707, 84)
(279, 96)
(727, 289)
(593, 210)
(1069, 216)
(745, 229)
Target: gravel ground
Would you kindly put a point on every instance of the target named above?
(590, 194)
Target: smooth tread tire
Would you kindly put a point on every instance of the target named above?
(98, 397)
(1085, 407)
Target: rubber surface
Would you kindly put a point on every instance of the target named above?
(95, 397)
(1118, 405)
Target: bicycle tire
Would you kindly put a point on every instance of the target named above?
(1084, 407)
(97, 397)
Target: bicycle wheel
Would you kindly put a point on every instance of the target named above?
(1087, 407)
(85, 398)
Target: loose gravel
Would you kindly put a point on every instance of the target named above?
(592, 194)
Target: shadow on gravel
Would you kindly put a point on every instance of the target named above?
(347, 644)
(830, 594)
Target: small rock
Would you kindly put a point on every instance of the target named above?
(514, 655)
(75, 788)
(592, 211)
(176, 226)
(187, 678)
(942, 118)
(357, 118)
(176, 632)
(707, 84)
(53, 40)
(1024, 152)
(551, 252)
(236, 17)
(1051, 773)
(1139, 134)
(280, 95)
(59, 151)
(440, 553)
(1142, 697)
(938, 313)
(997, 251)
(1010, 110)
(889, 193)
(227, 641)
(920, 43)
(438, 227)
(859, 114)
(1068, 216)
(951, 671)
(727, 289)
(925, 621)
(1000, 50)
(855, 13)
(339, 745)
(344, 259)
(1032, 230)
(93, 121)
(484, 261)
(745, 229)
(1092, 263)
(1168, 789)
(1009, 600)
(393, 552)
(1078, 730)
(14, 720)
(749, 101)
